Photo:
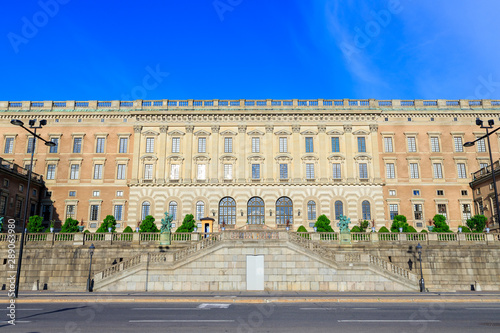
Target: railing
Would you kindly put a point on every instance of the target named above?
(123, 237)
(447, 237)
(64, 237)
(181, 237)
(97, 237)
(36, 237)
(475, 237)
(485, 171)
(387, 266)
(150, 237)
(19, 170)
(328, 236)
(201, 245)
(388, 237)
(360, 237)
(416, 237)
(252, 235)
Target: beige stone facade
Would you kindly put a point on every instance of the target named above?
(276, 162)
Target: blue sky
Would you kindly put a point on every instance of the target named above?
(232, 49)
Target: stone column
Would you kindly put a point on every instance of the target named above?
(296, 146)
(214, 161)
(323, 152)
(188, 149)
(375, 161)
(242, 130)
(268, 146)
(349, 158)
(137, 154)
(162, 154)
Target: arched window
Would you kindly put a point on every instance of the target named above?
(255, 210)
(284, 211)
(172, 209)
(227, 211)
(339, 209)
(145, 210)
(365, 207)
(311, 210)
(200, 210)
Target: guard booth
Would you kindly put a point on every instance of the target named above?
(207, 224)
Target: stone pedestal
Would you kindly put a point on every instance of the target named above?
(165, 238)
(345, 239)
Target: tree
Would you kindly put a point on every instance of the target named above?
(400, 222)
(440, 224)
(128, 229)
(464, 228)
(187, 225)
(302, 229)
(148, 225)
(109, 222)
(383, 229)
(70, 225)
(323, 224)
(363, 225)
(477, 223)
(35, 224)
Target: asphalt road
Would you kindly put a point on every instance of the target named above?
(272, 317)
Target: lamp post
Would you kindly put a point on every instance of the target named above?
(91, 252)
(422, 283)
(491, 122)
(32, 123)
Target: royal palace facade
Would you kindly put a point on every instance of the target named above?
(272, 162)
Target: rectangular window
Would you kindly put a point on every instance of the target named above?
(458, 144)
(483, 165)
(361, 145)
(3, 204)
(150, 145)
(53, 149)
(148, 171)
(31, 142)
(393, 210)
(228, 145)
(283, 145)
(51, 171)
(435, 144)
(228, 171)
(438, 170)
(70, 211)
(414, 171)
(442, 209)
(283, 171)
(118, 212)
(466, 212)
(74, 171)
(72, 193)
(390, 172)
(121, 171)
(99, 148)
(481, 147)
(176, 145)
(439, 192)
(337, 173)
(335, 144)
(202, 171)
(94, 212)
(309, 145)
(123, 145)
(19, 204)
(96, 193)
(417, 212)
(310, 170)
(77, 145)
(98, 171)
(392, 192)
(388, 145)
(202, 145)
(174, 171)
(363, 171)
(416, 192)
(412, 144)
(255, 145)
(9, 146)
(461, 170)
(255, 171)
(119, 193)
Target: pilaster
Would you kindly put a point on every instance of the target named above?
(214, 161)
(242, 129)
(137, 153)
(296, 149)
(268, 146)
(188, 148)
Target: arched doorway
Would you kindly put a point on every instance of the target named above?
(255, 210)
(284, 211)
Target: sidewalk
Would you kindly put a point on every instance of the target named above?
(253, 297)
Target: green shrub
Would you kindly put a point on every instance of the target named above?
(323, 224)
(477, 223)
(464, 228)
(363, 225)
(188, 224)
(148, 225)
(356, 229)
(35, 224)
(411, 229)
(86, 232)
(423, 230)
(440, 224)
(383, 229)
(70, 225)
(302, 229)
(400, 222)
(128, 229)
(109, 222)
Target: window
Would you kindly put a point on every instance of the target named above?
(118, 214)
(228, 171)
(416, 192)
(361, 145)
(412, 144)
(458, 144)
(172, 209)
(481, 147)
(121, 171)
(309, 145)
(466, 212)
(435, 144)
(77, 145)
(284, 211)
(390, 172)
(393, 211)
(145, 209)
(255, 145)
(339, 209)
(21, 187)
(283, 145)
(72, 193)
(227, 211)
(148, 171)
(202, 172)
(98, 171)
(363, 171)
(94, 212)
(441, 209)
(283, 171)
(335, 145)
(228, 145)
(311, 210)
(255, 210)
(51, 171)
(438, 170)
(310, 170)
(200, 210)
(174, 171)
(3, 204)
(483, 165)
(417, 212)
(150, 145)
(388, 145)
(337, 174)
(9, 146)
(414, 171)
(440, 192)
(465, 192)
(99, 148)
(255, 171)
(96, 193)
(31, 143)
(392, 193)
(176, 145)
(119, 193)
(70, 211)
(202, 145)
(74, 172)
(53, 149)
(19, 204)
(365, 210)
(461, 170)
(123, 145)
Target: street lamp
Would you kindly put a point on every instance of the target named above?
(91, 252)
(32, 123)
(422, 283)
(491, 122)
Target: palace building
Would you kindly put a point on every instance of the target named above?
(271, 162)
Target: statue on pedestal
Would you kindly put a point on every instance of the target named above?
(1, 223)
(166, 227)
(345, 233)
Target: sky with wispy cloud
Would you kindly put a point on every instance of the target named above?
(232, 49)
